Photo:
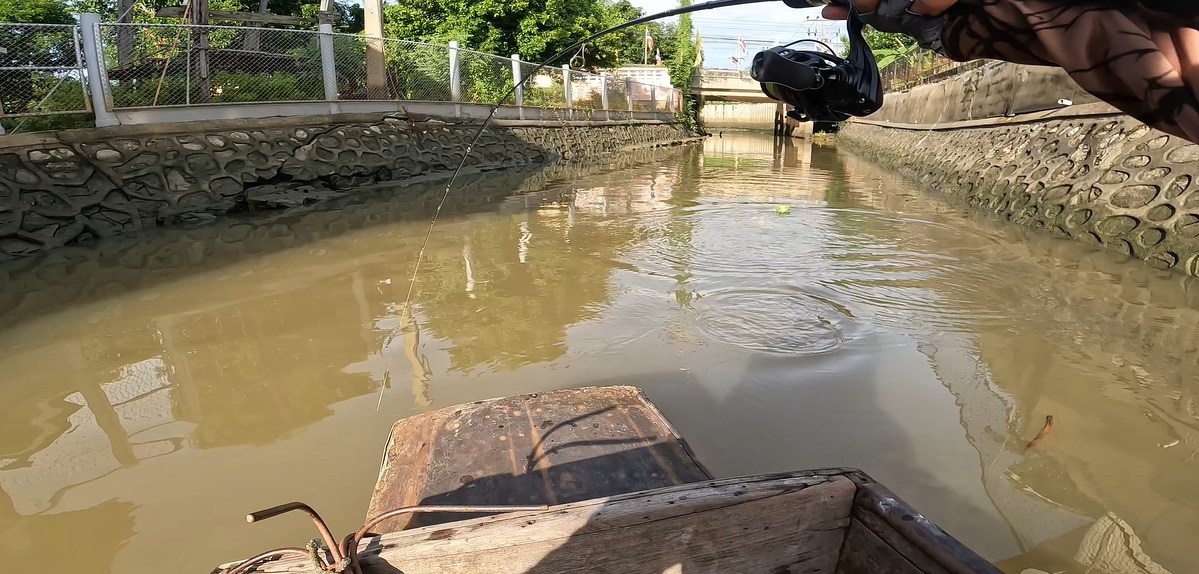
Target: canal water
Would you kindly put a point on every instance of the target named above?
(153, 392)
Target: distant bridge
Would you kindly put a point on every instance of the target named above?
(713, 85)
(727, 86)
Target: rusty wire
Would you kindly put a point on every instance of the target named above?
(249, 563)
(321, 527)
(348, 549)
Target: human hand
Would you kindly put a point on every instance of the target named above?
(921, 7)
(920, 19)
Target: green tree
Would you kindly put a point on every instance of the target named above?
(536, 31)
(30, 90)
(686, 57)
(628, 46)
(35, 12)
(888, 48)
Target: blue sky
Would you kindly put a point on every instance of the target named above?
(760, 24)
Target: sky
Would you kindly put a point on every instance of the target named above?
(760, 24)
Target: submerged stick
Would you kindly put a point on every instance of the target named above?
(1041, 435)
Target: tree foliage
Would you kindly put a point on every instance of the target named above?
(535, 30)
(35, 12)
(686, 57)
(25, 90)
(888, 48)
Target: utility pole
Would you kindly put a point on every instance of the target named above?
(125, 34)
(199, 17)
(376, 61)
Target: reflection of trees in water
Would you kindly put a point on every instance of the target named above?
(506, 289)
(65, 541)
(680, 228)
(517, 313)
(260, 369)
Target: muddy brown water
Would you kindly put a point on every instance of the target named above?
(151, 396)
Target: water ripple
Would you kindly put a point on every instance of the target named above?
(783, 320)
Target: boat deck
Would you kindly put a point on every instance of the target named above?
(547, 448)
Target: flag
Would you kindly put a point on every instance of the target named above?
(699, 51)
(658, 57)
(649, 40)
(741, 43)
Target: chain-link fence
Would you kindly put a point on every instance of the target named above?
(546, 88)
(486, 78)
(618, 96)
(402, 70)
(144, 65)
(41, 75)
(923, 67)
(587, 91)
(152, 65)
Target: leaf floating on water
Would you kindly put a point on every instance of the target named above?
(782, 209)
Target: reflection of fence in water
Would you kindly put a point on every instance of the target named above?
(112, 425)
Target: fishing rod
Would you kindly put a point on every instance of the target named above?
(820, 86)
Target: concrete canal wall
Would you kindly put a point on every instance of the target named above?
(714, 116)
(74, 186)
(1030, 146)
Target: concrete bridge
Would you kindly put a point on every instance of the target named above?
(727, 85)
(735, 86)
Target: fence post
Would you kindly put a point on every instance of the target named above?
(328, 66)
(604, 95)
(455, 79)
(628, 93)
(97, 78)
(570, 105)
(517, 79)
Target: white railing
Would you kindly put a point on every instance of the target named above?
(141, 67)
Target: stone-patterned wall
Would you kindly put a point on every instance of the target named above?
(1106, 180)
(92, 184)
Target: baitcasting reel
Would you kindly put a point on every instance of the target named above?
(822, 86)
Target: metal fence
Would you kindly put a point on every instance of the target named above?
(150, 65)
(44, 71)
(923, 67)
(41, 73)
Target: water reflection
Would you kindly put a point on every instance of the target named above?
(204, 373)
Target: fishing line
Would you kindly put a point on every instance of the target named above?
(568, 51)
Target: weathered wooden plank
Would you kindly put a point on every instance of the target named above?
(923, 543)
(865, 553)
(792, 523)
(548, 448)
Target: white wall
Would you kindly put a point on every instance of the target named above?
(719, 115)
